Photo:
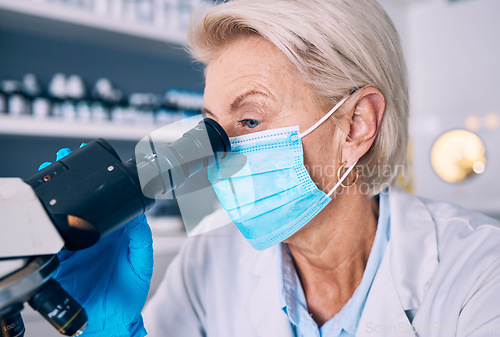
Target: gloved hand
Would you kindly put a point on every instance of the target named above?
(111, 279)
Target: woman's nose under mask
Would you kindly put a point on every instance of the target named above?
(273, 195)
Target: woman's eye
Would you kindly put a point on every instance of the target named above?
(251, 123)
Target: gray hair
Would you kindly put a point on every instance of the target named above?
(338, 46)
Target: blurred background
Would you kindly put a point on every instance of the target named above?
(75, 70)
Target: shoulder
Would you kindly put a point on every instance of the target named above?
(444, 256)
(453, 225)
(456, 227)
(458, 250)
(469, 253)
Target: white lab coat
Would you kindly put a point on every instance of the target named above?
(440, 275)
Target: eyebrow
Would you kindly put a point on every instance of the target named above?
(205, 111)
(237, 101)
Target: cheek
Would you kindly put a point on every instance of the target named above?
(318, 159)
(321, 156)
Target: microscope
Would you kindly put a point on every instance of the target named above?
(73, 203)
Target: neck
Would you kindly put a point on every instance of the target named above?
(331, 252)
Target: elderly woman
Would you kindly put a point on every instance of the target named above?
(321, 85)
(314, 94)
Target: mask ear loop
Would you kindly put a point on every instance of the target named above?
(324, 118)
(341, 179)
(318, 123)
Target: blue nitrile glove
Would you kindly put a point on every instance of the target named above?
(111, 279)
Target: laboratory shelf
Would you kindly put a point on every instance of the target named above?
(28, 126)
(63, 21)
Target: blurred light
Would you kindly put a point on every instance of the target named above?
(478, 167)
(473, 123)
(492, 121)
(458, 155)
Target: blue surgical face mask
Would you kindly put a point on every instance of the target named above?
(272, 196)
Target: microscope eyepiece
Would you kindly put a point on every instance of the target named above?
(164, 166)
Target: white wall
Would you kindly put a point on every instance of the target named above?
(453, 56)
(397, 10)
(454, 64)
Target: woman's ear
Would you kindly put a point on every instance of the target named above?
(367, 114)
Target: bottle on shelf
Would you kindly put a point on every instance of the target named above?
(3, 101)
(142, 107)
(39, 105)
(169, 16)
(67, 98)
(75, 94)
(31, 86)
(165, 114)
(186, 100)
(98, 109)
(17, 102)
(57, 94)
(178, 104)
(106, 98)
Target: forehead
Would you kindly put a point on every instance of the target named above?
(250, 61)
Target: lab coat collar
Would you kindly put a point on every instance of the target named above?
(406, 271)
(263, 305)
(403, 277)
(414, 251)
